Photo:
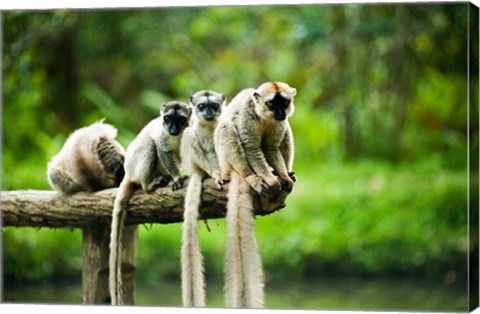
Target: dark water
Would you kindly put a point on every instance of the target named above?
(331, 294)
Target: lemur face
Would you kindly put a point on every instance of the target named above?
(175, 117)
(275, 100)
(207, 105)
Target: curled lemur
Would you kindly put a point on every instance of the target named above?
(151, 160)
(90, 160)
(254, 145)
(199, 160)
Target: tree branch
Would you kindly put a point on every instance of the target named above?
(51, 209)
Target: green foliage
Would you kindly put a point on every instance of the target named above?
(380, 125)
(33, 255)
(365, 88)
(373, 218)
(368, 218)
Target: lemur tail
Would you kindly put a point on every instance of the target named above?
(243, 266)
(120, 207)
(193, 281)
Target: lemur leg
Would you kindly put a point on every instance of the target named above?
(64, 182)
(237, 159)
(110, 155)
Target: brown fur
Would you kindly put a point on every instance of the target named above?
(82, 166)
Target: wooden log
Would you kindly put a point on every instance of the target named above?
(51, 209)
(96, 240)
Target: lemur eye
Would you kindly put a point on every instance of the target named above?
(166, 119)
(201, 106)
(215, 107)
(268, 103)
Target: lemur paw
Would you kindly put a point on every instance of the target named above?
(287, 184)
(225, 178)
(217, 177)
(292, 176)
(257, 183)
(219, 185)
(274, 183)
(178, 183)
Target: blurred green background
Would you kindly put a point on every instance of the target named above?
(378, 217)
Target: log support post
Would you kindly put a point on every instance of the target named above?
(96, 240)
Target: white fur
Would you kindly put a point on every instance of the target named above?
(200, 160)
(124, 194)
(269, 97)
(249, 144)
(193, 281)
(152, 153)
(243, 268)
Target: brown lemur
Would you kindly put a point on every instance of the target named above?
(200, 161)
(254, 145)
(90, 160)
(152, 160)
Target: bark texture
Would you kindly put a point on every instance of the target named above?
(51, 209)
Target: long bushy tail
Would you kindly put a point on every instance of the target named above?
(120, 207)
(193, 278)
(243, 267)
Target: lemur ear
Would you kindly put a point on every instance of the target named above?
(162, 107)
(223, 97)
(191, 105)
(256, 95)
(293, 91)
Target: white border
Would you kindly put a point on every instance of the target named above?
(99, 4)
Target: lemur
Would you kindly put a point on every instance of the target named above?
(200, 160)
(254, 145)
(90, 160)
(151, 160)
